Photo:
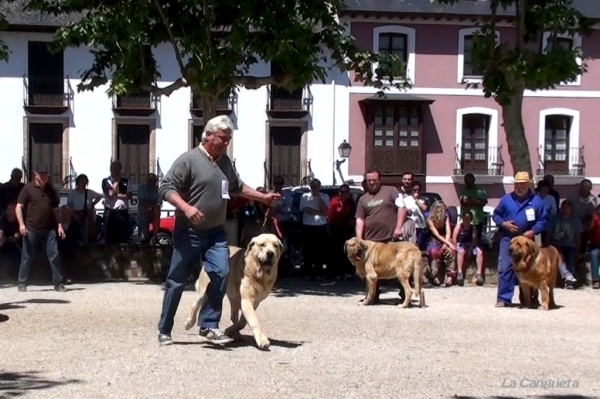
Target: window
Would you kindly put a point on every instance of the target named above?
(197, 131)
(467, 73)
(475, 142)
(45, 148)
(396, 138)
(477, 149)
(567, 42)
(559, 150)
(556, 142)
(45, 76)
(133, 151)
(398, 40)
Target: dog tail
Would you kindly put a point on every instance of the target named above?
(418, 277)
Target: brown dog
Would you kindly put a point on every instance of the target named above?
(374, 261)
(535, 267)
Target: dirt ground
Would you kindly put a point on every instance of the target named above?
(100, 341)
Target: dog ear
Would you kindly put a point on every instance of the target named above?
(346, 247)
(249, 247)
(280, 246)
(364, 246)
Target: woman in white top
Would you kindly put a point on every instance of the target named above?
(314, 206)
(416, 207)
(81, 202)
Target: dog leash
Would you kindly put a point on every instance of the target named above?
(266, 219)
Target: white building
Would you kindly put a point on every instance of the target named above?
(45, 120)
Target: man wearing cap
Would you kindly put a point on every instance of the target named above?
(518, 213)
(39, 223)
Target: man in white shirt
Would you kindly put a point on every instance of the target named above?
(117, 193)
(314, 206)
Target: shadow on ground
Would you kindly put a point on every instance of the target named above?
(3, 318)
(19, 305)
(533, 397)
(19, 384)
(247, 340)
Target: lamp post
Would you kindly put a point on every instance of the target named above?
(344, 151)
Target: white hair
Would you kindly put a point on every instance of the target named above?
(221, 122)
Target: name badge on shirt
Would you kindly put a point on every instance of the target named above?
(530, 214)
(225, 189)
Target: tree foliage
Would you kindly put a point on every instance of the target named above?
(215, 43)
(511, 67)
(4, 52)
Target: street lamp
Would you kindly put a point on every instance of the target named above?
(344, 151)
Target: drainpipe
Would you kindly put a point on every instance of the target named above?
(333, 136)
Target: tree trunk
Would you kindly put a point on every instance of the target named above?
(516, 140)
(209, 108)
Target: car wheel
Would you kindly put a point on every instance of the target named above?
(162, 238)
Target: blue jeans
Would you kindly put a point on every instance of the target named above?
(30, 244)
(189, 247)
(595, 264)
(569, 255)
(507, 279)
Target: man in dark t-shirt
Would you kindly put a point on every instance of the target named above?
(377, 216)
(39, 223)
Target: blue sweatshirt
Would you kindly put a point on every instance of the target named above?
(511, 209)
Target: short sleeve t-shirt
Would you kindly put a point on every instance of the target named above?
(76, 199)
(477, 211)
(379, 212)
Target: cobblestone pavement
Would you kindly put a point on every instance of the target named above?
(99, 341)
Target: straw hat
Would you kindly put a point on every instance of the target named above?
(522, 177)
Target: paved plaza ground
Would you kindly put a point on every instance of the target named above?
(99, 341)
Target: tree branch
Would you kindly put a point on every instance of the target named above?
(171, 37)
(167, 90)
(255, 82)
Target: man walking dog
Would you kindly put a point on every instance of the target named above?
(199, 185)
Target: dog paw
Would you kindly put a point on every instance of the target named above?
(234, 334)
(262, 341)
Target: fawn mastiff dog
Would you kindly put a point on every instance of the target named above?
(252, 274)
(375, 260)
(535, 267)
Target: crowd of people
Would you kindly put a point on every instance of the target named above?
(204, 188)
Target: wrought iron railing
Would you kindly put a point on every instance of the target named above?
(140, 100)
(280, 99)
(44, 91)
(223, 104)
(491, 165)
(573, 163)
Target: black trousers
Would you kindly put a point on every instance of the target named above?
(117, 227)
(314, 246)
(339, 265)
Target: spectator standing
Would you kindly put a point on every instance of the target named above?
(282, 212)
(595, 248)
(40, 221)
(81, 202)
(314, 206)
(149, 205)
(416, 206)
(473, 198)
(9, 193)
(553, 193)
(341, 224)
(584, 206)
(117, 193)
(564, 233)
(518, 213)
(543, 191)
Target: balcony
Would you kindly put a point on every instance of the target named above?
(568, 171)
(45, 95)
(282, 103)
(486, 171)
(224, 105)
(141, 103)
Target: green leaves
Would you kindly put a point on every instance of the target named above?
(4, 51)
(217, 44)
(539, 58)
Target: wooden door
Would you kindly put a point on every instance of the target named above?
(285, 154)
(133, 151)
(45, 148)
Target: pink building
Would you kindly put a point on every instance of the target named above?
(440, 129)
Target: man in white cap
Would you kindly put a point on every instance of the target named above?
(518, 213)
